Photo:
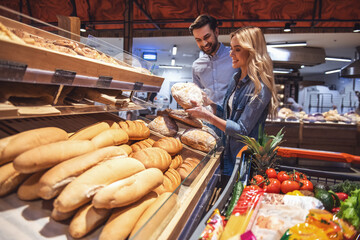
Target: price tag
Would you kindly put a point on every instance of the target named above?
(138, 86)
(104, 81)
(12, 71)
(63, 77)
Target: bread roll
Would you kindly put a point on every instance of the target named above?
(137, 130)
(89, 132)
(110, 137)
(56, 178)
(60, 216)
(176, 162)
(153, 158)
(167, 202)
(10, 179)
(29, 190)
(171, 181)
(81, 190)
(198, 139)
(123, 220)
(87, 219)
(187, 167)
(128, 190)
(126, 148)
(164, 125)
(142, 144)
(11, 147)
(184, 92)
(49, 155)
(169, 144)
(184, 117)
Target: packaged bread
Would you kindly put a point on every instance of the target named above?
(153, 157)
(184, 117)
(56, 178)
(172, 180)
(126, 217)
(46, 156)
(29, 190)
(172, 145)
(89, 132)
(142, 144)
(87, 219)
(10, 178)
(164, 125)
(13, 146)
(110, 137)
(187, 167)
(198, 139)
(184, 93)
(137, 130)
(176, 162)
(82, 188)
(128, 190)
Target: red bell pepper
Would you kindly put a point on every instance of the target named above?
(342, 196)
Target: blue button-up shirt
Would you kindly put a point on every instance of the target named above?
(213, 73)
(245, 117)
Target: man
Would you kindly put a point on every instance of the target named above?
(213, 71)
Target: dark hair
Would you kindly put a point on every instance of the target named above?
(201, 21)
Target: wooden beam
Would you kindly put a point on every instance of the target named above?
(70, 24)
(128, 29)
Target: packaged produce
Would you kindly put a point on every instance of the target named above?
(214, 227)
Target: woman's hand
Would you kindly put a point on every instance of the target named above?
(198, 111)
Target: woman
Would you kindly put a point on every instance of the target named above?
(251, 95)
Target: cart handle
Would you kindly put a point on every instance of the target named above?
(316, 154)
(244, 148)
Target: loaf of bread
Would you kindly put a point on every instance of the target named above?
(29, 190)
(187, 167)
(56, 178)
(198, 139)
(171, 181)
(137, 130)
(167, 201)
(89, 132)
(176, 162)
(184, 117)
(128, 190)
(172, 145)
(110, 137)
(10, 179)
(164, 125)
(126, 148)
(49, 155)
(60, 216)
(183, 93)
(87, 219)
(123, 220)
(11, 147)
(153, 158)
(142, 144)
(82, 189)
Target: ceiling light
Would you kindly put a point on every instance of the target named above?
(332, 71)
(287, 44)
(174, 50)
(356, 28)
(170, 67)
(282, 72)
(287, 27)
(150, 56)
(82, 27)
(302, 66)
(173, 62)
(337, 59)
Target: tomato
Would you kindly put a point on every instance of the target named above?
(251, 188)
(271, 173)
(273, 186)
(301, 175)
(282, 176)
(289, 186)
(306, 185)
(258, 180)
(295, 177)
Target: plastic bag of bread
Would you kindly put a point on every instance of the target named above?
(198, 139)
(183, 93)
(164, 125)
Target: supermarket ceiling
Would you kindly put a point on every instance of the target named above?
(174, 16)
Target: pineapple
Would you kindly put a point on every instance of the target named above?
(263, 150)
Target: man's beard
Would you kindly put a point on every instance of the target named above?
(212, 48)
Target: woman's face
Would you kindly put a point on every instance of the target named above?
(238, 54)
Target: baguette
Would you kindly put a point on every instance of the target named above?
(60, 216)
(81, 190)
(126, 217)
(142, 144)
(169, 144)
(128, 190)
(110, 137)
(171, 181)
(87, 219)
(56, 178)
(13, 146)
(49, 155)
(90, 132)
(153, 158)
(29, 190)
(137, 130)
(10, 179)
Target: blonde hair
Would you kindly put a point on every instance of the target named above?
(259, 63)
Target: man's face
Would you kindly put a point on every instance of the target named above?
(206, 39)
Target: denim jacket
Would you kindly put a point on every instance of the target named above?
(245, 118)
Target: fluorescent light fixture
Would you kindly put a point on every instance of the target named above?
(332, 71)
(170, 67)
(356, 28)
(150, 56)
(287, 44)
(82, 30)
(281, 72)
(302, 66)
(287, 27)
(337, 59)
(174, 50)
(173, 62)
